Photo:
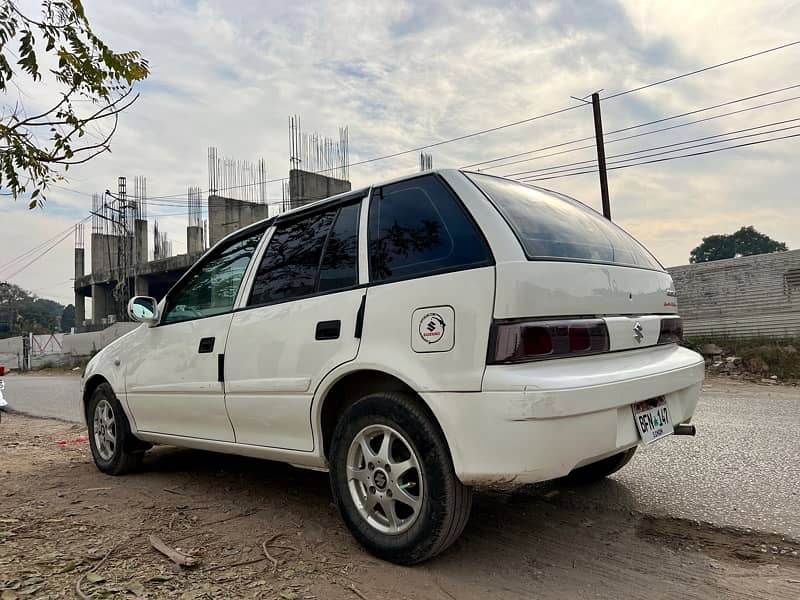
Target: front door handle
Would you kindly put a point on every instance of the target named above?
(206, 345)
(328, 330)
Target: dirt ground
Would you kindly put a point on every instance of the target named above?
(64, 524)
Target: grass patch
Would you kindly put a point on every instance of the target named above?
(760, 356)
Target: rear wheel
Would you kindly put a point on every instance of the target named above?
(114, 449)
(602, 468)
(393, 479)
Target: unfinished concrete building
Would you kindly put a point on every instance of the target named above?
(121, 266)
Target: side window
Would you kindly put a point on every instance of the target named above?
(212, 289)
(418, 227)
(318, 253)
(339, 267)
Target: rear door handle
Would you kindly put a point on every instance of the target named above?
(328, 330)
(206, 345)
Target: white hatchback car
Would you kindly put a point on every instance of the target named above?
(416, 339)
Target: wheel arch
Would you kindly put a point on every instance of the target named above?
(348, 387)
(89, 387)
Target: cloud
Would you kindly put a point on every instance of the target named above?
(403, 74)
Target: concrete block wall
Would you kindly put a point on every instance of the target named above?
(748, 296)
(11, 352)
(85, 344)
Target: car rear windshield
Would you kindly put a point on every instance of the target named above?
(554, 226)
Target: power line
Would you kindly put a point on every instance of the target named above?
(38, 257)
(640, 151)
(40, 245)
(702, 70)
(515, 123)
(657, 160)
(639, 125)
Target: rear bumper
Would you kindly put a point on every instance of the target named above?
(538, 421)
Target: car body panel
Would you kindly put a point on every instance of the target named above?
(505, 424)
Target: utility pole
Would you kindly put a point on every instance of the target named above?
(601, 155)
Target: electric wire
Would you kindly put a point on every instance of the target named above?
(673, 145)
(41, 244)
(658, 160)
(39, 256)
(702, 70)
(637, 126)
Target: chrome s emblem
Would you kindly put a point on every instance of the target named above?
(638, 332)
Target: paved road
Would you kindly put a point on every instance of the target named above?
(53, 396)
(742, 469)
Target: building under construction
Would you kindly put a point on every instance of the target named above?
(125, 263)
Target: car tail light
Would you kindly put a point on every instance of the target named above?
(522, 341)
(671, 330)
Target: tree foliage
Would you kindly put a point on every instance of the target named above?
(94, 85)
(745, 242)
(22, 312)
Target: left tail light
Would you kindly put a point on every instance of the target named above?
(523, 341)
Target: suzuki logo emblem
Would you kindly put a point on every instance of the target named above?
(638, 332)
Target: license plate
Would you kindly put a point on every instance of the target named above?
(652, 419)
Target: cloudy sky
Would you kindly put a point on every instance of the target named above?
(404, 74)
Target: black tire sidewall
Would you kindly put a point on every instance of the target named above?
(437, 474)
(120, 459)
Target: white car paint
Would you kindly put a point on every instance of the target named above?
(503, 423)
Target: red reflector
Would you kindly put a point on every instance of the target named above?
(580, 340)
(536, 341)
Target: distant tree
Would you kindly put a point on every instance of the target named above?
(40, 142)
(22, 312)
(745, 242)
(68, 318)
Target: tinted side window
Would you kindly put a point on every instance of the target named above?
(212, 289)
(291, 261)
(339, 268)
(418, 227)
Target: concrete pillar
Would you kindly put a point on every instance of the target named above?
(194, 239)
(102, 302)
(140, 243)
(141, 287)
(105, 249)
(80, 300)
(305, 187)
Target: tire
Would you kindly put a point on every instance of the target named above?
(438, 503)
(114, 448)
(602, 468)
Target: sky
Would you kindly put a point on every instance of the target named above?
(400, 74)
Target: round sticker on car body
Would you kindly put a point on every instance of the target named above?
(432, 327)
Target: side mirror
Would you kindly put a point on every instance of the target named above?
(143, 309)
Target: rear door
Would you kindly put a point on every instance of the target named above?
(429, 305)
(297, 325)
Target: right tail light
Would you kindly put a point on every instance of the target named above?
(523, 341)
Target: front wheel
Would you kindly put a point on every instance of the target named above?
(393, 479)
(114, 449)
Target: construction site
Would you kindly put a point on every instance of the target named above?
(129, 255)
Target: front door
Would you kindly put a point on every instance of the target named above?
(297, 325)
(173, 376)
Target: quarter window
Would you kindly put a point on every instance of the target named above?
(315, 254)
(212, 289)
(418, 227)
